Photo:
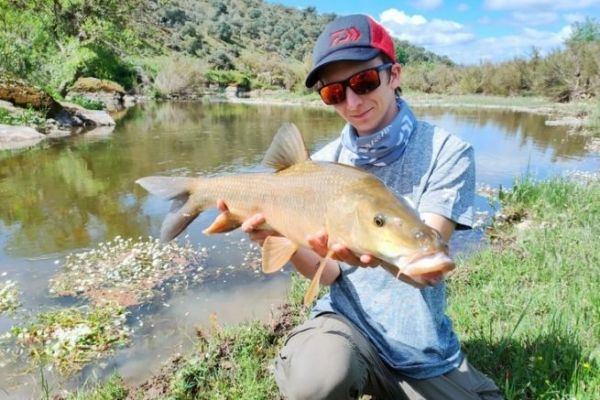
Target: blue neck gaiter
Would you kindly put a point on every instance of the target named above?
(383, 147)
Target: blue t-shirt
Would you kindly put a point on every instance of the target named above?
(408, 326)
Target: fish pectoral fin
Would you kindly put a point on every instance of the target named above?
(276, 251)
(225, 222)
(313, 289)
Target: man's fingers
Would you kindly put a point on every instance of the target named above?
(222, 206)
(318, 242)
(253, 222)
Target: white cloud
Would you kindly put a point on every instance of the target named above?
(503, 48)
(571, 18)
(535, 18)
(418, 30)
(539, 4)
(426, 4)
(462, 7)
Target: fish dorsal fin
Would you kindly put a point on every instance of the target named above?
(286, 149)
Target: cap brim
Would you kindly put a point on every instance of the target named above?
(348, 54)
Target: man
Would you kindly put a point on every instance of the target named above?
(374, 334)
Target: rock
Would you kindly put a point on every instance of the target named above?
(8, 106)
(129, 101)
(89, 117)
(107, 92)
(67, 120)
(16, 137)
(21, 94)
(91, 85)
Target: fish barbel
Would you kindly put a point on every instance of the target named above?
(302, 198)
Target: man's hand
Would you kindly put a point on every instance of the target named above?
(319, 244)
(251, 225)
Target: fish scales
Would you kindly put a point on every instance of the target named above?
(300, 193)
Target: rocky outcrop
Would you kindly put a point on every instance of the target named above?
(88, 117)
(15, 137)
(24, 95)
(109, 93)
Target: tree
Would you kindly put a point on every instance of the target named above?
(585, 32)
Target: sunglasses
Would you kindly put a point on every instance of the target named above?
(361, 82)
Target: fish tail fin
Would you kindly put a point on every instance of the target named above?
(183, 210)
(287, 148)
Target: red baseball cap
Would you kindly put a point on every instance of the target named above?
(354, 37)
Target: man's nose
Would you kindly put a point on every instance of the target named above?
(353, 100)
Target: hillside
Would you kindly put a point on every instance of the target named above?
(178, 43)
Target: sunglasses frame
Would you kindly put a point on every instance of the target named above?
(346, 82)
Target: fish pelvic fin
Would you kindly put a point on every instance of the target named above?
(287, 148)
(276, 251)
(313, 289)
(225, 222)
(183, 209)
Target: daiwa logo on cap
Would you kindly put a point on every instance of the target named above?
(345, 35)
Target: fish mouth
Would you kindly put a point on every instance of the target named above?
(427, 263)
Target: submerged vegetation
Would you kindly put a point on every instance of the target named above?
(526, 309)
(70, 338)
(127, 271)
(9, 297)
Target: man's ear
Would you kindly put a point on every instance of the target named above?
(395, 73)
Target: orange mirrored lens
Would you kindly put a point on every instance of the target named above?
(333, 94)
(364, 82)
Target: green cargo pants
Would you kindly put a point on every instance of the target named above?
(328, 358)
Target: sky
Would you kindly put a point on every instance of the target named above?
(470, 32)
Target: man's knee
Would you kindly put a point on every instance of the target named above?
(322, 366)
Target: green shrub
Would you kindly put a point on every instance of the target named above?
(27, 117)
(89, 104)
(180, 75)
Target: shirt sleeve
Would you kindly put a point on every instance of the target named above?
(450, 189)
(328, 152)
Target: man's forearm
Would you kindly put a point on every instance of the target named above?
(307, 261)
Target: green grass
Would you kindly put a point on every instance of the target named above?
(527, 308)
(86, 103)
(26, 116)
(112, 389)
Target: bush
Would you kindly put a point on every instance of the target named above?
(180, 76)
(226, 78)
(89, 104)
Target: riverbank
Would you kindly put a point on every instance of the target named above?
(525, 308)
(581, 117)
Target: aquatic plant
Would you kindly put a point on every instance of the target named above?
(9, 297)
(126, 271)
(70, 338)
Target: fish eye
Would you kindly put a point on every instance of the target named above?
(379, 220)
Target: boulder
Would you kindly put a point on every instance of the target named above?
(8, 106)
(16, 137)
(22, 94)
(107, 92)
(88, 117)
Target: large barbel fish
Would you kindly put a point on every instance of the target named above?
(302, 198)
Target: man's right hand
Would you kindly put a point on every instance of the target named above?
(251, 225)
